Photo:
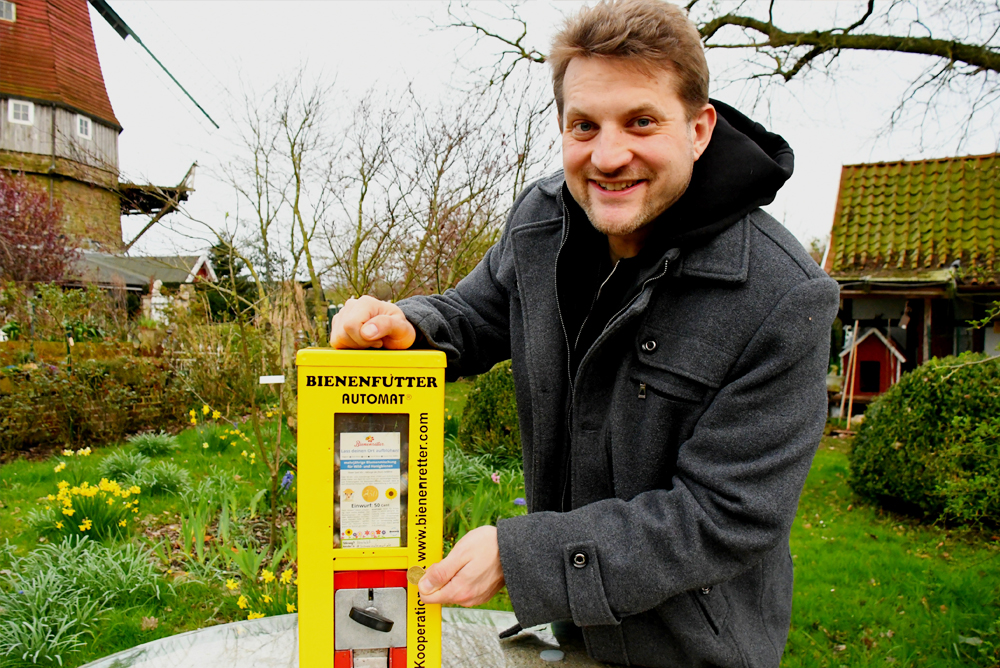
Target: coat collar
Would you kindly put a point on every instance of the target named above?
(726, 257)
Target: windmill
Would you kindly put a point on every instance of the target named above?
(57, 125)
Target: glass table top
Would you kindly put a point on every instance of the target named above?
(469, 638)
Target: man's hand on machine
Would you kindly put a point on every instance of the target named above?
(471, 573)
(367, 322)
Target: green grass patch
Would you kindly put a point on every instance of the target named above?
(873, 588)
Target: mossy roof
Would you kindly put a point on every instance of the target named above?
(911, 220)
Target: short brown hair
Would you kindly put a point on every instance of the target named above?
(650, 33)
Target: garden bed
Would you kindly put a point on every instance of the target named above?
(872, 588)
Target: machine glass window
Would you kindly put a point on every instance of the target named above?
(84, 127)
(8, 11)
(370, 473)
(19, 111)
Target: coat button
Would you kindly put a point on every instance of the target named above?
(579, 560)
(649, 346)
(706, 590)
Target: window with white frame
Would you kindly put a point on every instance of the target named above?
(84, 127)
(8, 11)
(19, 111)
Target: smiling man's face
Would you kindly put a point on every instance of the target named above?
(628, 146)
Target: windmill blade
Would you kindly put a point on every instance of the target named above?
(120, 27)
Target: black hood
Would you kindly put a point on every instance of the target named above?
(743, 168)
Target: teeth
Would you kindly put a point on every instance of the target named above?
(615, 187)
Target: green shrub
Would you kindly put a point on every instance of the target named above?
(163, 478)
(105, 511)
(489, 421)
(122, 465)
(153, 444)
(932, 441)
(98, 401)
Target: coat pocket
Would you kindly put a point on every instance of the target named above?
(714, 607)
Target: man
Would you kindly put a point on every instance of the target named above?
(669, 344)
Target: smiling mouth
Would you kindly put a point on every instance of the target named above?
(616, 187)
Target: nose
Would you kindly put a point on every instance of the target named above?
(612, 151)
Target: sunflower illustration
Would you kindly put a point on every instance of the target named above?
(390, 494)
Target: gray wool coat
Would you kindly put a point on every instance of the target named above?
(692, 423)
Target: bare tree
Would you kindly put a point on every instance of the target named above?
(780, 41)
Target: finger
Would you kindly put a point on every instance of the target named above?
(355, 314)
(392, 330)
(439, 574)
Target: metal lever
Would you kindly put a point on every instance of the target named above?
(369, 617)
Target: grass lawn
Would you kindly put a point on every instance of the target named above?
(873, 588)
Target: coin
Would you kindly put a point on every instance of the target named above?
(414, 573)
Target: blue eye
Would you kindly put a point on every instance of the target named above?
(584, 126)
(643, 123)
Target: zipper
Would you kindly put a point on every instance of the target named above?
(597, 297)
(666, 265)
(569, 359)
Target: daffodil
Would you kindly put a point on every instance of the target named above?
(204, 446)
(267, 599)
(216, 415)
(232, 585)
(67, 453)
(122, 523)
(61, 466)
(290, 608)
(68, 512)
(267, 576)
(192, 413)
(286, 577)
(255, 615)
(59, 525)
(205, 409)
(51, 497)
(242, 602)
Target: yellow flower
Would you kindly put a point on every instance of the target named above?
(290, 608)
(134, 489)
(286, 577)
(296, 583)
(192, 413)
(193, 421)
(87, 524)
(67, 452)
(269, 414)
(59, 525)
(62, 484)
(85, 452)
(242, 602)
(68, 511)
(135, 510)
(267, 599)
(267, 576)
(122, 523)
(205, 409)
(51, 497)
(216, 415)
(255, 615)
(204, 446)
(244, 453)
(60, 467)
(232, 585)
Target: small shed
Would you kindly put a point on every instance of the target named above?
(878, 364)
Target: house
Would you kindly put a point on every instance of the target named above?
(915, 247)
(57, 125)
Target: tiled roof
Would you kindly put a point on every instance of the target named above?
(910, 221)
(48, 54)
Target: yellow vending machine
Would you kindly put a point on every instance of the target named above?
(370, 455)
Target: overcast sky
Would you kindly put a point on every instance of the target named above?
(212, 46)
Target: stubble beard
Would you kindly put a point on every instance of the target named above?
(649, 211)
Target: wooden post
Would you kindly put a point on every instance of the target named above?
(854, 382)
(927, 330)
(850, 368)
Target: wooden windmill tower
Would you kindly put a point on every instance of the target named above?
(57, 125)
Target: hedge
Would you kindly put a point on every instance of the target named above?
(100, 401)
(931, 443)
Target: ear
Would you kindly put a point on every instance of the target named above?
(702, 127)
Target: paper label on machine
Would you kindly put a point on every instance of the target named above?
(369, 489)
